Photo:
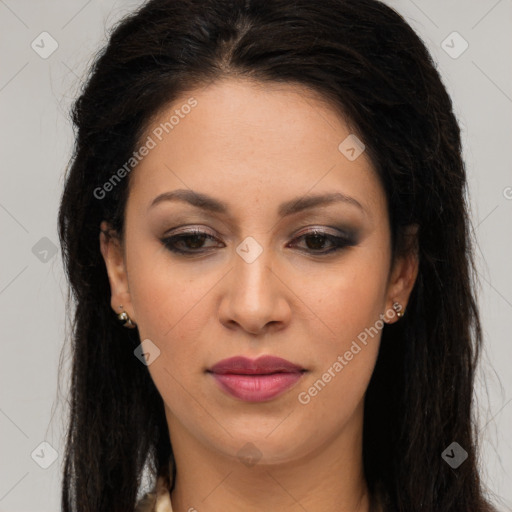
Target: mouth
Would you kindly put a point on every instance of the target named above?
(256, 380)
(264, 365)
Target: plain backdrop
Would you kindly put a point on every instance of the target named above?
(470, 40)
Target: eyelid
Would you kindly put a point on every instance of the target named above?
(196, 229)
(339, 241)
(324, 230)
(308, 230)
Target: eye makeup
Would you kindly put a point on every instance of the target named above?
(191, 241)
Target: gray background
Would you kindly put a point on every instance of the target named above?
(36, 141)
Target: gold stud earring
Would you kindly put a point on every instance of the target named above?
(398, 309)
(124, 317)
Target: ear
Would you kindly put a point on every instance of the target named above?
(404, 273)
(113, 254)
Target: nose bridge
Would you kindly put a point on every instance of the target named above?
(253, 297)
(253, 272)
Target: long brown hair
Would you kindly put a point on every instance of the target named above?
(368, 63)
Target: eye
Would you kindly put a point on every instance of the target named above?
(192, 240)
(316, 239)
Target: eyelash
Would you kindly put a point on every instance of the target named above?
(339, 242)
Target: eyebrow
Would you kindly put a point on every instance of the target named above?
(291, 207)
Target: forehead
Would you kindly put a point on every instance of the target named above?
(245, 141)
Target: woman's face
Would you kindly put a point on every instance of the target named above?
(267, 282)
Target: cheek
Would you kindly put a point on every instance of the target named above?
(355, 297)
(352, 308)
(164, 297)
(171, 312)
(343, 364)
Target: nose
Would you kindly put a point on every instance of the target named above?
(255, 297)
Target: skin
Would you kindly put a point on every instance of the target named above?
(255, 146)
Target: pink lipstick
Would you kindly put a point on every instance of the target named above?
(255, 380)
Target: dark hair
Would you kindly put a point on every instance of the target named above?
(369, 65)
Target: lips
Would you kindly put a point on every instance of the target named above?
(255, 380)
(264, 365)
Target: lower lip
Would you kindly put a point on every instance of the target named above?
(256, 388)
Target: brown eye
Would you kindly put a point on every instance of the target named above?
(316, 240)
(187, 243)
(192, 242)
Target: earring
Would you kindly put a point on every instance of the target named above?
(123, 317)
(398, 309)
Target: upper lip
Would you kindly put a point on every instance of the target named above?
(263, 365)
